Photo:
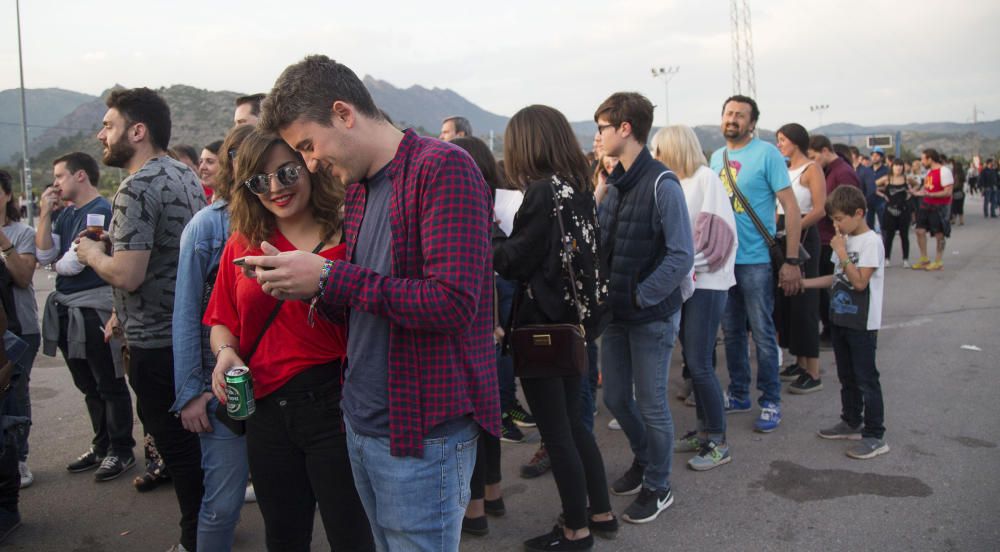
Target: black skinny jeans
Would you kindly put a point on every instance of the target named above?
(297, 450)
(895, 224)
(577, 464)
(109, 404)
(151, 374)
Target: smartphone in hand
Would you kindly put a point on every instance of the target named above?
(241, 262)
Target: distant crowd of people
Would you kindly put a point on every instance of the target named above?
(376, 286)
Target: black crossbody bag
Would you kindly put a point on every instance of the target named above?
(775, 246)
(239, 427)
(553, 350)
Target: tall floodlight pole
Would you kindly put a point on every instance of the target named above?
(741, 35)
(666, 73)
(818, 110)
(976, 112)
(24, 123)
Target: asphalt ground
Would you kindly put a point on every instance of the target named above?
(937, 489)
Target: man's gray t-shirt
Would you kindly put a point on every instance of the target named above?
(149, 213)
(366, 383)
(22, 237)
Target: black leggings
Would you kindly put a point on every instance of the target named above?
(893, 224)
(576, 461)
(487, 470)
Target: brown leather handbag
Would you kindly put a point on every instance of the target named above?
(552, 350)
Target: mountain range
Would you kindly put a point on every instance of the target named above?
(63, 120)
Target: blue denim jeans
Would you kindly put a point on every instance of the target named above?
(638, 356)
(415, 503)
(224, 461)
(22, 398)
(702, 315)
(752, 300)
(990, 202)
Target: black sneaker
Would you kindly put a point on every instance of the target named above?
(792, 372)
(648, 505)
(510, 433)
(538, 465)
(556, 540)
(477, 527)
(521, 416)
(113, 466)
(631, 482)
(87, 461)
(805, 384)
(495, 508)
(604, 529)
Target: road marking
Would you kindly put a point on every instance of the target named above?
(908, 324)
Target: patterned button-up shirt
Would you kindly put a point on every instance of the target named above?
(438, 298)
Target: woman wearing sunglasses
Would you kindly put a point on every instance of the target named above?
(295, 439)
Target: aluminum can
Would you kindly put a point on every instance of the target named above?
(240, 403)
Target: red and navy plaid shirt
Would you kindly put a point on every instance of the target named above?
(438, 299)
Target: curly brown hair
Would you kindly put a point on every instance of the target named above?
(251, 219)
(225, 181)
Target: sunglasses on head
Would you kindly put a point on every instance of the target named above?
(287, 176)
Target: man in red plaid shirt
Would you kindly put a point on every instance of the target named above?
(416, 295)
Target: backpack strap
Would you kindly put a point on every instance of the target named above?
(656, 187)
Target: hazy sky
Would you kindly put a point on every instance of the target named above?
(872, 61)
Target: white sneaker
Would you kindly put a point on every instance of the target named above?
(906, 264)
(177, 548)
(250, 495)
(613, 424)
(27, 478)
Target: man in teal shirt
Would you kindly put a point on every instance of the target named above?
(759, 170)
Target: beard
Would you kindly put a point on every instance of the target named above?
(119, 153)
(734, 132)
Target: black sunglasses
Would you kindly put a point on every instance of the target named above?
(287, 176)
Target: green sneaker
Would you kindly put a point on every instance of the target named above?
(690, 442)
(710, 456)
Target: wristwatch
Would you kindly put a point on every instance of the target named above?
(794, 261)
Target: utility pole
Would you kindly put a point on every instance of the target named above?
(666, 74)
(818, 110)
(24, 125)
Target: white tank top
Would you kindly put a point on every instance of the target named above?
(803, 195)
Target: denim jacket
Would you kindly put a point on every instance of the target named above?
(201, 248)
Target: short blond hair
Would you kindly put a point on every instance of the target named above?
(678, 148)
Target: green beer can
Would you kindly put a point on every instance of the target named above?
(239, 393)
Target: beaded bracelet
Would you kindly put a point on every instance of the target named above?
(324, 277)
